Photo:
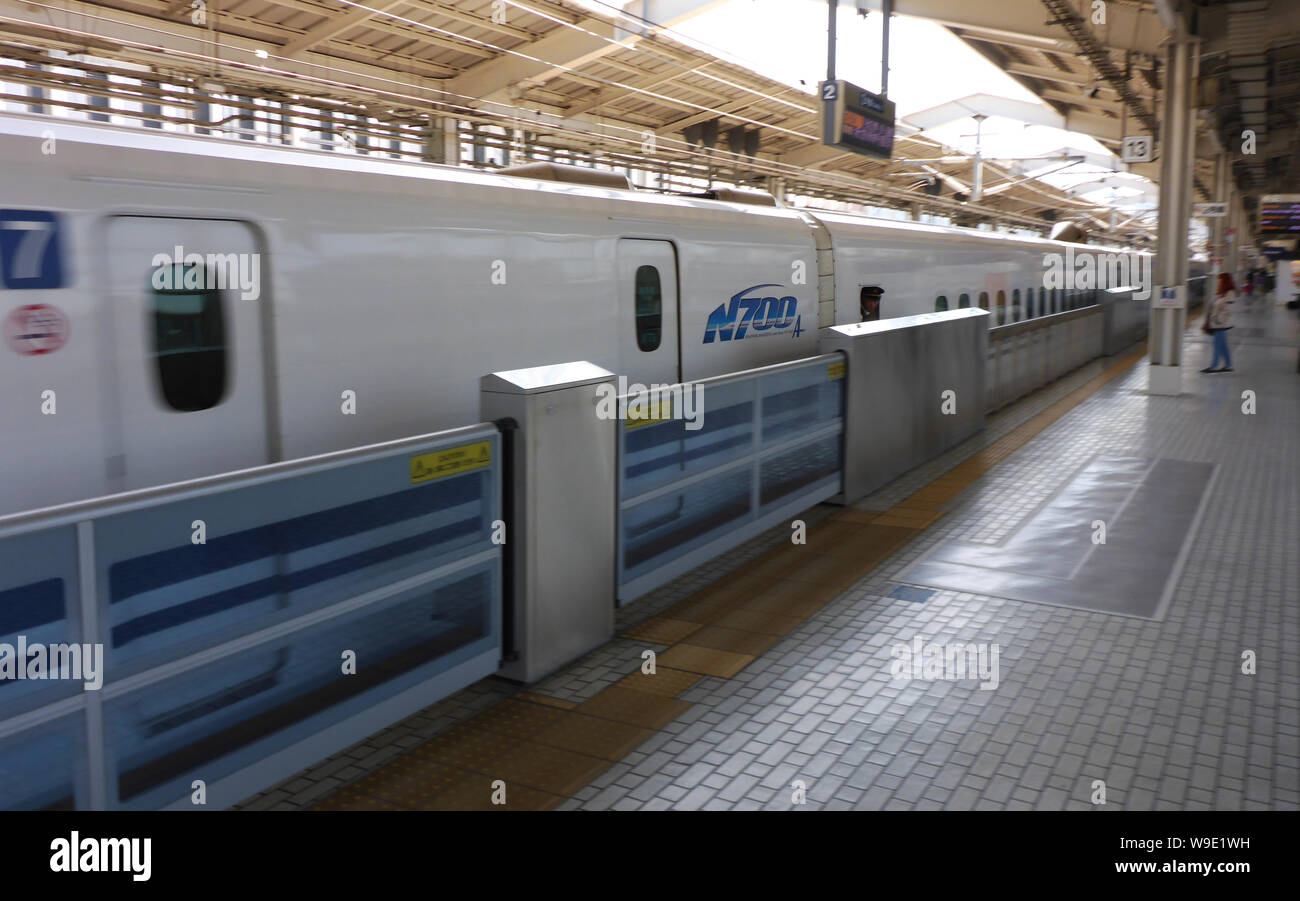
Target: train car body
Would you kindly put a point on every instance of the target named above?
(344, 300)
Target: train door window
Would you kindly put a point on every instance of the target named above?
(1002, 307)
(869, 302)
(941, 304)
(189, 338)
(984, 300)
(649, 308)
(963, 301)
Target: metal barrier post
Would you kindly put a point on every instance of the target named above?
(561, 545)
(890, 425)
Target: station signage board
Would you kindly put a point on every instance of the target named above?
(1138, 149)
(1168, 298)
(857, 120)
(1279, 214)
(1209, 210)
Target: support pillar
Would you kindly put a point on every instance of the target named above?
(442, 142)
(1177, 160)
(1219, 226)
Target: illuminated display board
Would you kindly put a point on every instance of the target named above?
(857, 120)
(1279, 214)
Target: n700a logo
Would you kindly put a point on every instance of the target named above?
(755, 316)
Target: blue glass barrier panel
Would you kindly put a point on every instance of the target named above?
(212, 721)
(660, 453)
(276, 550)
(38, 766)
(678, 522)
(799, 401)
(800, 469)
(38, 607)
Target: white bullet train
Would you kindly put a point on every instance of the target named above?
(178, 306)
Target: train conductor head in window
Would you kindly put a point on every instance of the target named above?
(869, 302)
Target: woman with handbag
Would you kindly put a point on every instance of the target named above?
(1218, 319)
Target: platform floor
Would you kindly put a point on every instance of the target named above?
(775, 679)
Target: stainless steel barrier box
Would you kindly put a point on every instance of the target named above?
(561, 542)
(897, 414)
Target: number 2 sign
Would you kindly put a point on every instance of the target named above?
(30, 253)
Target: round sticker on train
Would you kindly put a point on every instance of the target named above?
(36, 328)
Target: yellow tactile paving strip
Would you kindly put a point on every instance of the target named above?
(541, 750)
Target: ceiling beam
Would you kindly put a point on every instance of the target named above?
(336, 25)
(1127, 27)
(564, 48)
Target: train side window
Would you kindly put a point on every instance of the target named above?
(649, 309)
(869, 302)
(1056, 301)
(1043, 309)
(941, 304)
(1002, 307)
(189, 338)
(984, 300)
(963, 301)
(1016, 312)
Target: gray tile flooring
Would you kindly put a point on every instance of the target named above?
(1148, 509)
(1161, 712)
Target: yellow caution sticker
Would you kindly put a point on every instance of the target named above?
(451, 462)
(649, 414)
(835, 370)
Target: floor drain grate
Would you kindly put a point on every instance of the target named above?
(912, 593)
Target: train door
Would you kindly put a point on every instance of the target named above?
(648, 311)
(186, 348)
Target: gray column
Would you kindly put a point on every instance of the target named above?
(96, 100)
(1219, 226)
(327, 131)
(151, 109)
(442, 141)
(1177, 160)
(476, 135)
(247, 124)
(36, 92)
(363, 140)
(202, 112)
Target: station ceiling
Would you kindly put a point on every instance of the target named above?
(615, 85)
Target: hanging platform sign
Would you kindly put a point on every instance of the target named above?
(1279, 214)
(857, 120)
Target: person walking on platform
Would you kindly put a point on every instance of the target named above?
(1218, 319)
